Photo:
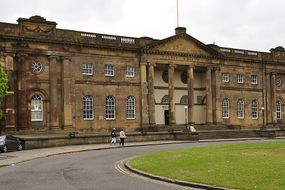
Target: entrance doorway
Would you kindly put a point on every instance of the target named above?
(166, 117)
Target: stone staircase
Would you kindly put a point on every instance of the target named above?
(228, 134)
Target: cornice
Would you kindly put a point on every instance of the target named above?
(70, 43)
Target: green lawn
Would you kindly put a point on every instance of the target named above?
(240, 166)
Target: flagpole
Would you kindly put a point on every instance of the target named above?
(177, 13)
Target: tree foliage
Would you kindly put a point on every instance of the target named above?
(3, 87)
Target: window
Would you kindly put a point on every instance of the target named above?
(87, 108)
(278, 81)
(109, 70)
(110, 107)
(225, 77)
(254, 109)
(240, 78)
(131, 107)
(130, 71)
(165, 100)
(199, 100)
(36, 108)
(184, 77)
(87, 69)
(184, 100)
(240, 109)
(37, 67)
(225, 108)
(165, 76)
(253, 79)
(278, 110)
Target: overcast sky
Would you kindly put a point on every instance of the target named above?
(246, 24)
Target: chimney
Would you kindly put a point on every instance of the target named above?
(180, 30)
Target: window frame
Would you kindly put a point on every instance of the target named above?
(226, 108)
(240, 78)
(131, 108)
(110, 108)
(254, 79)
(88, 69)
(87, 108)
(240, 109)
(254, 109)
(279, 110)
(109, 70)
(130, 71)
(225, 77)
(36, 108)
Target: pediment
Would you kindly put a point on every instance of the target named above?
(182, 44)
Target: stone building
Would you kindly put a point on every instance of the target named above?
(64, 80)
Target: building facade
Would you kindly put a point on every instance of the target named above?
(63, 80)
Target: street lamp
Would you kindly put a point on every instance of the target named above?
(262, 109)
(185, 110)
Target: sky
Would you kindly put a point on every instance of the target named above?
(246, 24)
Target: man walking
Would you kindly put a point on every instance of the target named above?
(113, 136)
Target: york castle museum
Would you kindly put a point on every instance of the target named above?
(65, 80)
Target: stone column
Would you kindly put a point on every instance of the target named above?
(209, 114)
(54, 92)
(190, 89)
(7, 63)
(67, 92)
(172, 120)
(22, 112)
(273, 98)
(144, 95)
(151, 100)
(217, 114)
(268, 99)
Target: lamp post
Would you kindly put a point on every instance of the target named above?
(262, 109)
(185, 110)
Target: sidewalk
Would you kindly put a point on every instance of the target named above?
(11, 158)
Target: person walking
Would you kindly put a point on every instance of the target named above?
(113, 137)
(122, 137)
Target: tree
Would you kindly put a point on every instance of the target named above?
(3, 88)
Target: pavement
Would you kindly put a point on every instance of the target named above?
(11, 158)
(15, 157)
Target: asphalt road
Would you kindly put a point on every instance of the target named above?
(83, 171)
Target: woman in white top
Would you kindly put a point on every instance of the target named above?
(122, 137)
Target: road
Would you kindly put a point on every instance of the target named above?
(83, 171)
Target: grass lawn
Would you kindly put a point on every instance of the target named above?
(240, 166)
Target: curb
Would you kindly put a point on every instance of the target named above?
(169, 180)
(91, 149)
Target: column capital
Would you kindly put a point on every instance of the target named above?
(143, 63)
(272, 73)
(21, 56)
(63, 58)
(216, 68)
(151, 64)
(172, 65)
(52, 57)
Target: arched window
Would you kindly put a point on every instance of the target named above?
(278, 109)
(36, 108)
(225, 108)
(165, 100)
(87, 108)
(184, 100)
(131, 107)
(254, 109)
(110, 107)
(240, 109)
